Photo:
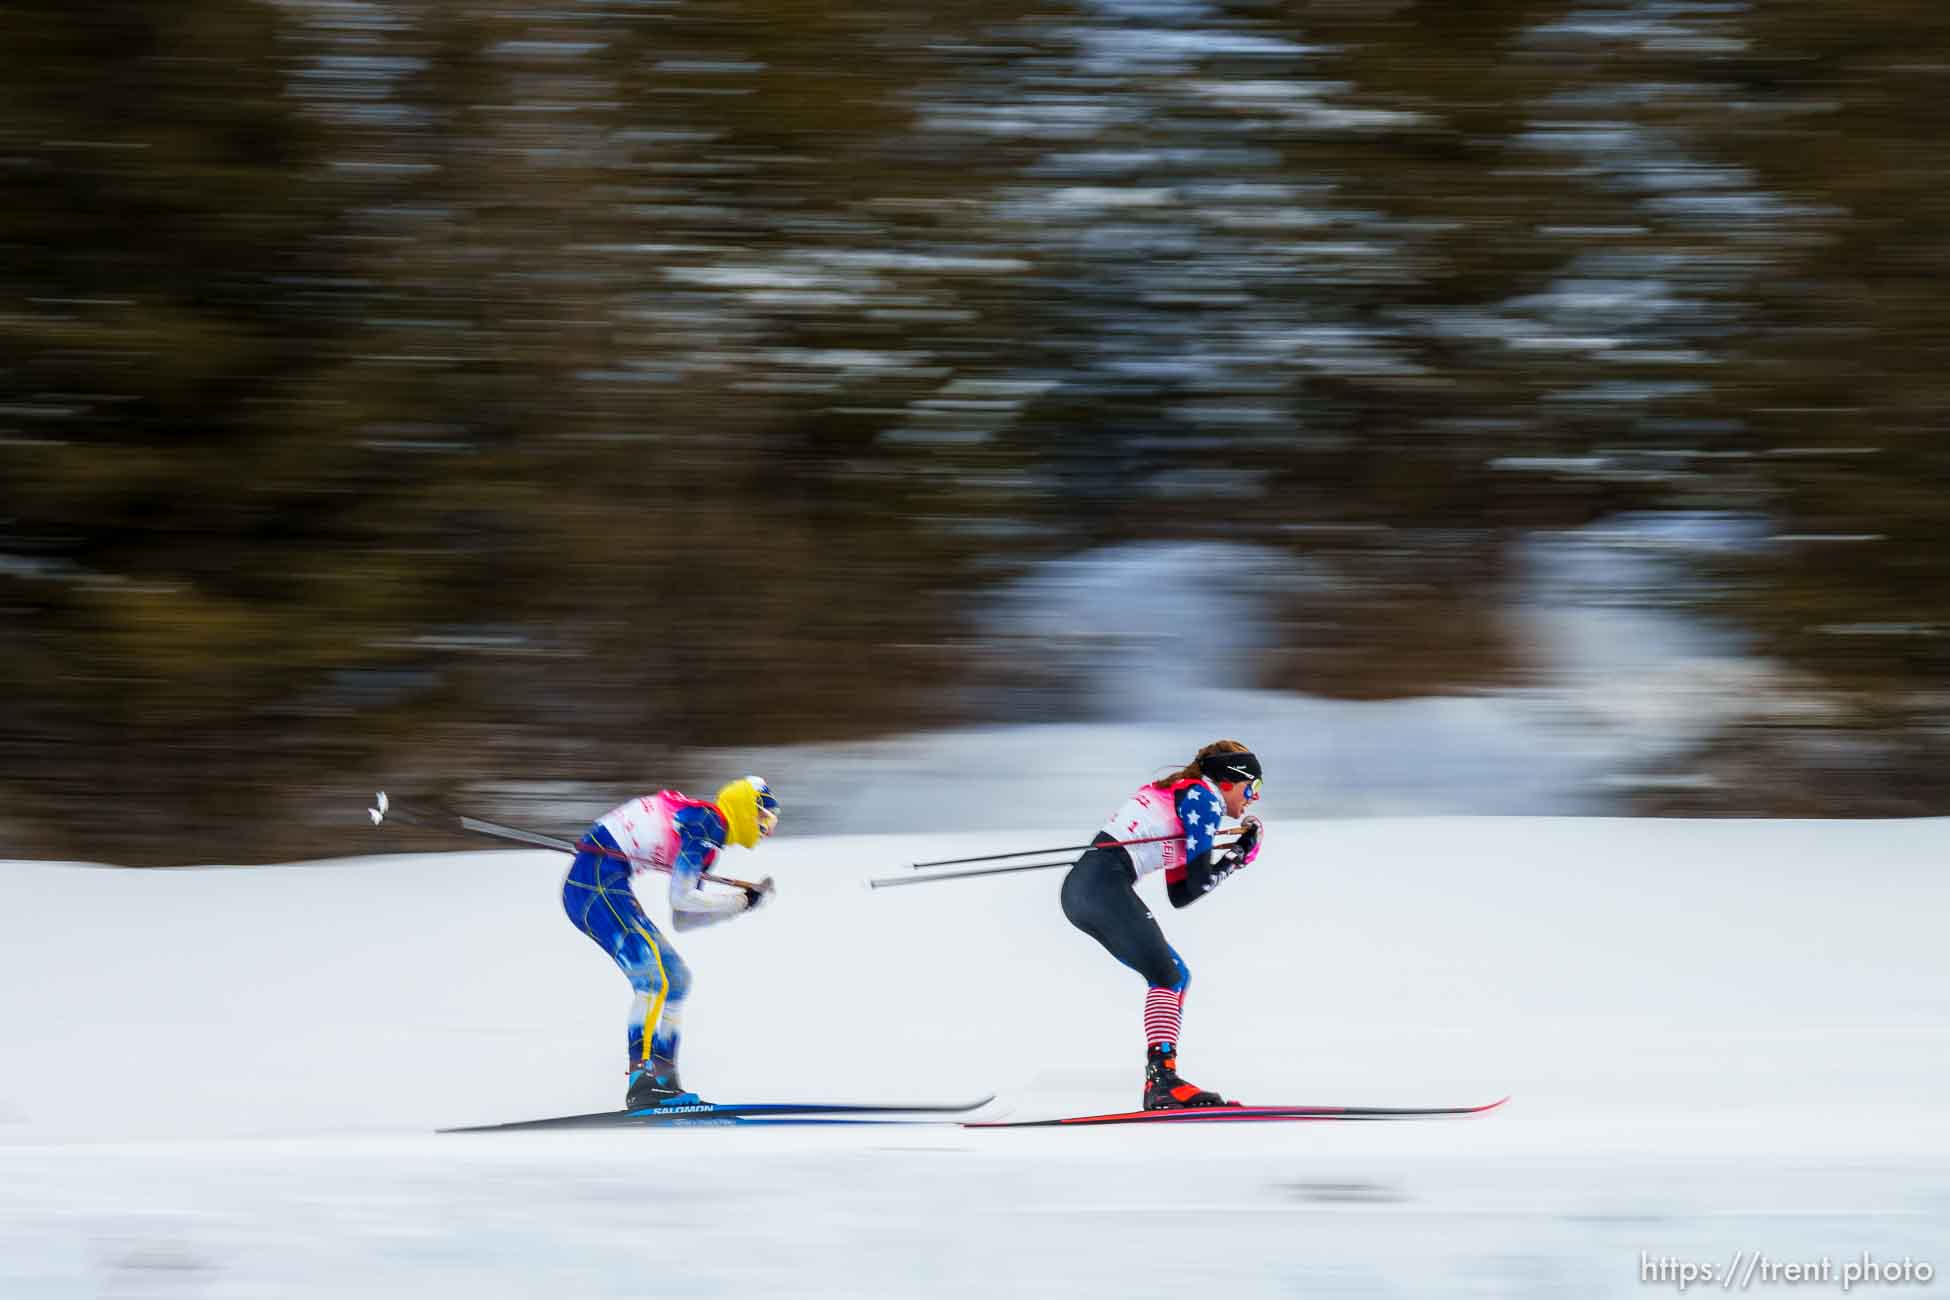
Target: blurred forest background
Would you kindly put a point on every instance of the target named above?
(428, 391)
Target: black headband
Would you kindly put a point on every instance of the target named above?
(1230, 769)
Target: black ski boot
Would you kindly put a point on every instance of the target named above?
(1164, 1090)
(654, 1083)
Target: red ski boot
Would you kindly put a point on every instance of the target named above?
(1164, 1090)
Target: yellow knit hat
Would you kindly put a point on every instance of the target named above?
(750, 810)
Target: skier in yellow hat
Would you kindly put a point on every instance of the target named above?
(665, 831)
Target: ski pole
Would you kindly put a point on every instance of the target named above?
(885, 882)
(496, 830)
(1062, 848)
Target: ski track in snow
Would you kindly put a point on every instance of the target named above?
(1720, 1036)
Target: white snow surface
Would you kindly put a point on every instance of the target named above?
(1719, 1037)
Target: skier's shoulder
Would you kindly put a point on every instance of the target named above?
(1195, 794)
(696, 820)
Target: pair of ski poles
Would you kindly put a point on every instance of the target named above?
(928, 876)
(383, 810)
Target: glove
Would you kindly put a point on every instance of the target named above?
(1246, 847)
(758, 894)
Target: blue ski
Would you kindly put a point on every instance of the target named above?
(709, 1114)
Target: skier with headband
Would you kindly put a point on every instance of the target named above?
(1180, 815)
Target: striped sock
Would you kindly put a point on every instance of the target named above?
(1161, 1015)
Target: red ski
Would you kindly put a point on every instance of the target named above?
(1243, 1115)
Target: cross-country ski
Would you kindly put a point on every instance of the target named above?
(1238, 1114)
(704, 1113)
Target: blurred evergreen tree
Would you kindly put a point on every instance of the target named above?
(453, 391)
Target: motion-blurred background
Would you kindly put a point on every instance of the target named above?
(1541, 401)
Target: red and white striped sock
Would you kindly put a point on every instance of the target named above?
(1161, 1015)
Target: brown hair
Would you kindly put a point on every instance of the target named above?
(1191, 771)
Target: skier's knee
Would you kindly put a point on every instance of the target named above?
(1164, 973)
(1183, 978)
(677, 977)
(640, 959)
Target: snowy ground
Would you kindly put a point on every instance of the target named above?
(1720, 1037)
